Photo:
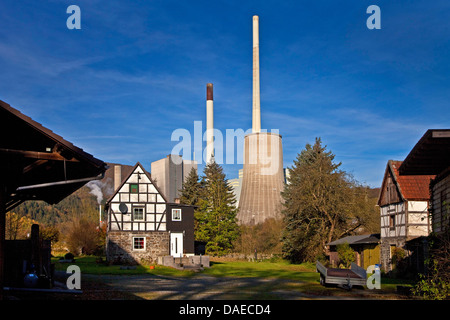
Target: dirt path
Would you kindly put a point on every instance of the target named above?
(202, 287)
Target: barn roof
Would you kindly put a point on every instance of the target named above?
(359, 239)
(38, 164)
(431, 154)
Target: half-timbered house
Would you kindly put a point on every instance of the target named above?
(403, 202)
(143, 225)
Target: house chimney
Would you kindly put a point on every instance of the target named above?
(117, 176)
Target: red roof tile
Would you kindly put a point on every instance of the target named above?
(412, 187)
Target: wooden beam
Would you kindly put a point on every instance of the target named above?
(2, 237)
(440, 134)
(36, 155)
(35, 164)
(13, 203)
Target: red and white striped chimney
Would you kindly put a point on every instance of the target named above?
(209, 123)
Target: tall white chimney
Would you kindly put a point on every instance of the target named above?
(256, 116)
(263, 178)
(209, 122)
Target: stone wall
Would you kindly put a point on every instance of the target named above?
(385, 250)
(119, 247)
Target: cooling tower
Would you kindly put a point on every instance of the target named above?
(263, 178)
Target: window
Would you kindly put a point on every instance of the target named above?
(139, 243)
(176, 214)
(392, 222)
(134, 188)
(138, 213)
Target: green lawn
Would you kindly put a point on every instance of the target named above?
(89, 265)
(279, 269)
(304, 273)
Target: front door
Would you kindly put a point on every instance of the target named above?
(176, 244)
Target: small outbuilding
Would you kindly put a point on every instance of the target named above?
(366, 247)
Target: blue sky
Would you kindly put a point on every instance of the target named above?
(137, 70)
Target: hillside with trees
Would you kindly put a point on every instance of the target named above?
(80, 203)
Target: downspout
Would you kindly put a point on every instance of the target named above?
(58, 183)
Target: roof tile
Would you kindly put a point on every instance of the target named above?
(412, 187)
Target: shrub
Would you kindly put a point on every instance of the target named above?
(432, 287)
(435, 285)
(264, 238)
(346, 254)
(69, 256)
(83, 237)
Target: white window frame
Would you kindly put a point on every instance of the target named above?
(174, 213)
(139, 249)
(143, 213)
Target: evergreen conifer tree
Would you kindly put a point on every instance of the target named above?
(215, 216)
(192, 189)
(317, 204)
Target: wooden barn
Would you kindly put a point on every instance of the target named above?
(403, 202)
(143, 226)
(35, 164)
(431, 156)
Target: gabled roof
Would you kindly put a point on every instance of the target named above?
(360, 239)
(415, 187)
(410, 187)
(128, 177)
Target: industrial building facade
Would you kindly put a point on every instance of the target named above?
(169, 174)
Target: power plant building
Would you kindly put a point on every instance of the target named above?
(169, 174)
(263, 175)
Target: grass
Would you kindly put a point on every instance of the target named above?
(304, 276)
(89, 265)
(279, 269)
(267, 269)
